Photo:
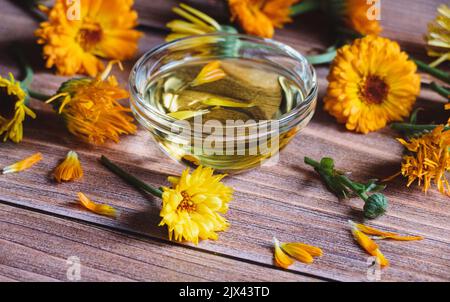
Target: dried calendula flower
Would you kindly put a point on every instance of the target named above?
(210, 73)
(299, 251)
(378, 234)
(438, 38)
(101, 209)
(23, 164)
(91, 110)
(368, 244)
(70, 169)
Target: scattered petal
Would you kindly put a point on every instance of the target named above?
(23, 164)
(70, 169)
(280, 257)
(368, 244)
(100, 209)
(210, 73)
(385, 235)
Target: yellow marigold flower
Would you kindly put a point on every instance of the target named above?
(384, 235)
(368, 244)
(23, 164)
(428, 159)
(197, 23)
(281, 259)
(104, 29)
(13, 109)
(372, 83)
(101, 209)
(91, 109)
(70, 169)
(191, 207)
(260, 17)
(438, 38)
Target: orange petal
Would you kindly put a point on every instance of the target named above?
(70, 169)
(23, 164)
(368, 244)
(312, 250)
(385, 235)
(100, 209)
(281, 259)
(210, 73)
(382, 260)
(297, 252)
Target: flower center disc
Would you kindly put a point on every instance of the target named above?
(186, 204)
(7, 109)
(374, 90)
(89, 35)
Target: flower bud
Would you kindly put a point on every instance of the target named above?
(376, 205)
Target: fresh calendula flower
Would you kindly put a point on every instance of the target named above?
(211, 72)
(91, 109)
(428, 159)
(191, 208)
(261, 17)
(23, 164)
(102, 29)
(196, 23)
(13, 109)
(299, 251)
(70, 169)
(438, 38)
(371, 83)
(368, 244)
(101, 209)
(378, 234)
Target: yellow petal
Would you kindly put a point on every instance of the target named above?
(312, 250)
(70, 169)
(226, 103)
(100, 209)
(187, 114)
(368, 244)
(210, 73)
(385, 235)
(297, 252)
(281, 259)
(382, 260)
(23, 164)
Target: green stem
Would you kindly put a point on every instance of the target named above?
(344, 180)
(305, 7)
(414, 127)
(38, 96)
(440, 90)
(132, 180)
(312, 162)
(326, 57)
(437, 73)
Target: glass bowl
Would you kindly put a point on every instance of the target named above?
(239, 145)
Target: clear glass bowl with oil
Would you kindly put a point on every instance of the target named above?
(227, 101)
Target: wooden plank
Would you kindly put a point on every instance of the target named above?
(35, 247)
(290, 203)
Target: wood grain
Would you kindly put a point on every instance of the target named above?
(287, 201)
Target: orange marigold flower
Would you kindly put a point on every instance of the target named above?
(101, 209)
(70, 169)
(371, 83)
(23, 164)
(91, 109)
(260, 17)
(103, 28)
(428, 159)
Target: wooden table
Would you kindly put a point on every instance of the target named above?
(42, 225)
